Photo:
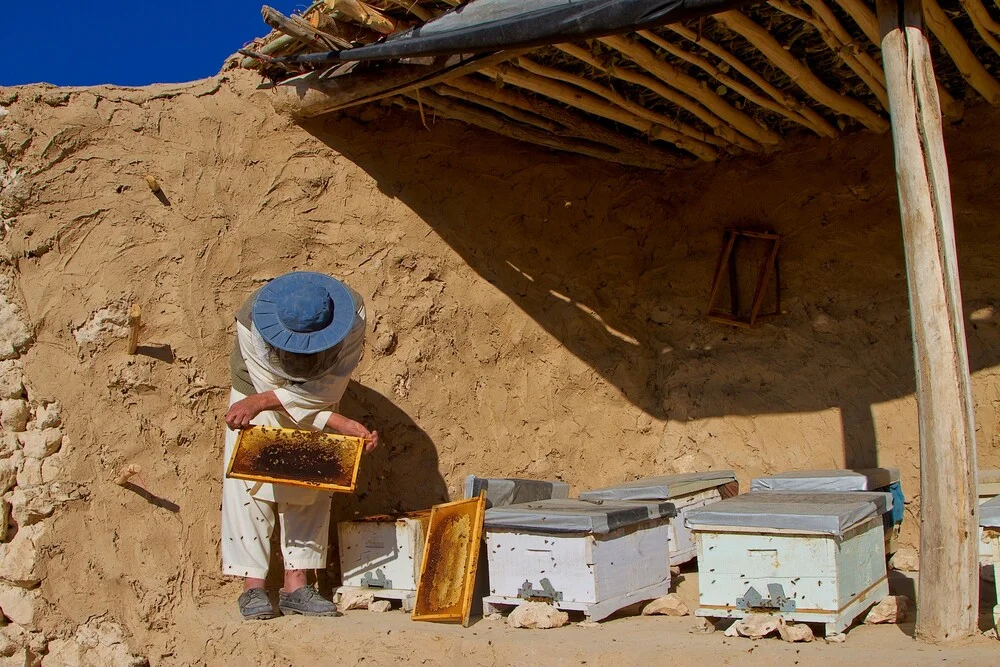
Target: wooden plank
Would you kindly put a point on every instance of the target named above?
(970, 67)
(949, 573)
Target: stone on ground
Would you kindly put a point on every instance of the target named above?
(668, 605)
(836, 638)
(95, 644)
(355, 600)
(537, 616)
(892, 609)
(905, 560)
(379, 606)
(795, 632)
(754, 626)
(20, 604)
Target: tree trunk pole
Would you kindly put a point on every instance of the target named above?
(948, 591)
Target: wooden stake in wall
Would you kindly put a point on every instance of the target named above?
(134, 324)
(948, 592)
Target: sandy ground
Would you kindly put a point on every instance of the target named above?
(531, 314)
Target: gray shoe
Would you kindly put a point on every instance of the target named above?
(254, 605)
(306, 601)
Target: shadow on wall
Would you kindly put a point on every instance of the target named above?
(401, 475)
(616, 264)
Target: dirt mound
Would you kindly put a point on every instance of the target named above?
(531, 314)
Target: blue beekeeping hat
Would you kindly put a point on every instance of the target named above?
(303, 312)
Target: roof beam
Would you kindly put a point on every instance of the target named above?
(798, 72)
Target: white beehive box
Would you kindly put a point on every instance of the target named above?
(988, 488)
(989, 547)
(383, 554)
(844, 481)
(687, 492)
(580, 556)
(809, 557)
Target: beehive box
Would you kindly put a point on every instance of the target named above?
(989, 548)
(988, 488)
(886, 480)
(809, 557)
(312, 459)
(382, 554)
(687, 492)
(580, 556)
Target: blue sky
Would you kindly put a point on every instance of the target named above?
(76, 42)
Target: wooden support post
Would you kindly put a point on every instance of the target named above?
(948, 591)
(134, 317)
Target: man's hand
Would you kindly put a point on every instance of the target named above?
(344, 426)
(241, 413)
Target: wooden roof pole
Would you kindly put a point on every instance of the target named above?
(599, 106)
(726, 80)
(480, 117)
(948, 592)
(575, 124)
(843, 50)
(680, 80)
(866, 20)
(798, 72)
(974, 72)
(723, 134)
(730, 59)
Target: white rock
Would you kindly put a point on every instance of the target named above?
(537, 616)
(20, 562)
(30, 473)
(905, 560)
(892, 609)
(494, 617)
(754, 626)
(8, 444)
(52, 470)
(15, 337)
(355, 600)
(795, 632)
(29, 506)
(20, 604)
(588, 624)
(48, 416)
(8, 475)
(39, 444)
(11, 379)
(836, 638)
(380, 606)
(95, 644)
(14, 414)
(668, 605)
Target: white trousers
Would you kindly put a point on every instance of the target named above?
(248, 521)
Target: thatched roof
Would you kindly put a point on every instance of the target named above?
(738, 82)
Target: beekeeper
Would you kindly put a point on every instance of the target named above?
(298, 338)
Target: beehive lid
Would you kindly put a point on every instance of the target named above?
(989, 513)
(663, 487)
(299, 458)
(512, 490)
(826, 513)
(575, 516)
(827, 481)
